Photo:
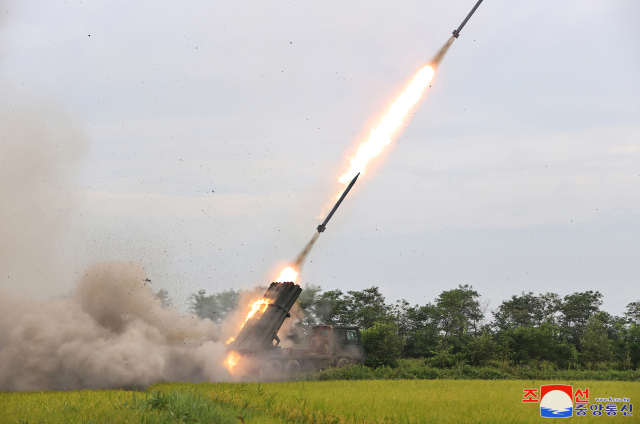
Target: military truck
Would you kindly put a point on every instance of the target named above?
(329, 345)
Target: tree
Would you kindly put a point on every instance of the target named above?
(458, 314)
(362, 308)
(308, 303)
(576, 309)
(525, 344)
(382, 344)
(418, 326)
(526, 310)
(633, 312)
(481, 350)
(215, 306)
(330, 307)
(596, 346)
(163, 296)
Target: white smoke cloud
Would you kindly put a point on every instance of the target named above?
(111, 333)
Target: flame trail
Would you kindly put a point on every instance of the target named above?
(389, 126)
(379, 138)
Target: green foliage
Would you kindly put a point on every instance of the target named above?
(527, 329)
(633, 312)
(527, 310)
(308, 301)
(576, 309)
(596, 346)
(525, 344)
(420, 369)
(215, 306)
(458, 314)
(443, 358)
(481, 350)
(382, 344)
(362, 308)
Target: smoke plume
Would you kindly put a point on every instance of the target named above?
(443, 51)
(302, 256)
(113, 332)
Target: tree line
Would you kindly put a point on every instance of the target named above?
(546, 330)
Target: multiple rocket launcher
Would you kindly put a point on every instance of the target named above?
(259, 334)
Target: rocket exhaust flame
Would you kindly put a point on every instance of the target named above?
(379, 138)
(287, 275)
(389, 126)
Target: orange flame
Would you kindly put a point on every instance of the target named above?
(259, 305)
(232, 360)
(380, 136)
(287, 275)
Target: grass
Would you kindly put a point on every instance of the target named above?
(398, 401)
(411, 369)
(120, 406)
(314, 402)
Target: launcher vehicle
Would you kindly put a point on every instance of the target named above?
(329, 345)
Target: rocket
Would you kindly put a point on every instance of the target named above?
(323, 226)
(456, 32)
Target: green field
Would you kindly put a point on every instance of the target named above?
(377, 401)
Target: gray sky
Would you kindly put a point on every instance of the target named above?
(217, 131)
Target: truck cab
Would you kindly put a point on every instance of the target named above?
(342, 342)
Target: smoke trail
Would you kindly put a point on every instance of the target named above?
(443, 51)
(302, 256)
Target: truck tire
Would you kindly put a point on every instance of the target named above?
(274, 367)
(342, 362)
(292, 366)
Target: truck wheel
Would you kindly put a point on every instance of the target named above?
(292, 366)
(274, 367)
(343, 362)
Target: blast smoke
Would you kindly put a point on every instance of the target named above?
(113, 332)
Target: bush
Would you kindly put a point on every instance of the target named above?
(382, 345)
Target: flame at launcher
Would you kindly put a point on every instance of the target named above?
(259, 305)
(232, 360)
(287, 275)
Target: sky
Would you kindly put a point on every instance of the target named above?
(212, 134)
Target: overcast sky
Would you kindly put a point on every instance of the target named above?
(216, 132)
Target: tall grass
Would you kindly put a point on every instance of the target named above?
(119, 406)
(304, 402)
(396, 401)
